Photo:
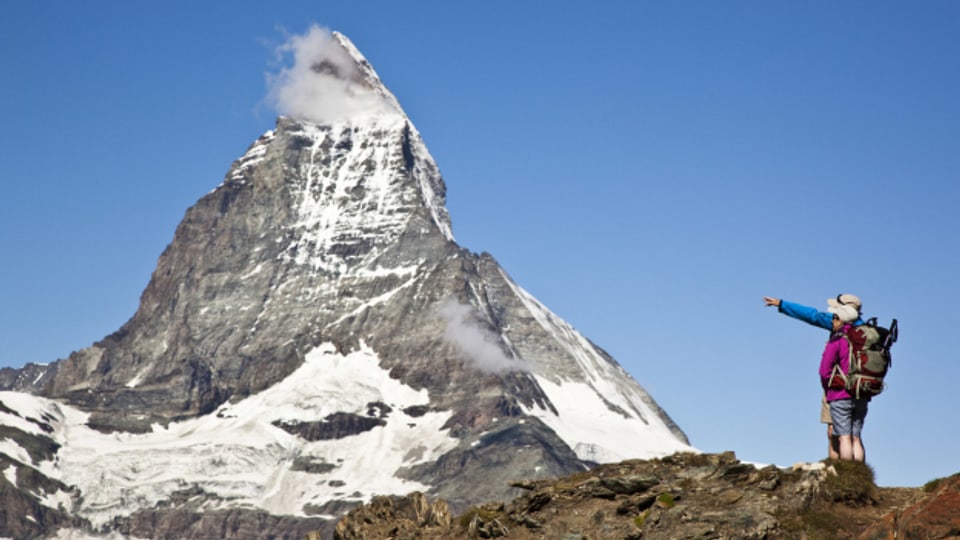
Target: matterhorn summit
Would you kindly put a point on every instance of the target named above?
(314, 336)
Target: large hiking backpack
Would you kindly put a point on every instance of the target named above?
(869, 359)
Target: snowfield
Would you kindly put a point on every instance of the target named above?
(236, 453)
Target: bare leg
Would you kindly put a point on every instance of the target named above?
(859, 454)
(846, 447)
(833, 444)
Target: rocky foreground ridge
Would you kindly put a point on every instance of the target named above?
(680, 496)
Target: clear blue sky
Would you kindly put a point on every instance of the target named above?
(648, 170)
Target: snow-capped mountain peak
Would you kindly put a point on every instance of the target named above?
(313, 336)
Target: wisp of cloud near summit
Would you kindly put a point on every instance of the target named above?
(320, 84)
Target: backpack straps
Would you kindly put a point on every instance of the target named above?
(838, 378)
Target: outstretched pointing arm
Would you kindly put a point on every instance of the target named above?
(806, 314)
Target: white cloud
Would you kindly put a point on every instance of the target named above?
(323, 81)
(481, 346)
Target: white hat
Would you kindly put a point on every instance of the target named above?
(846, 313)
(845, 299)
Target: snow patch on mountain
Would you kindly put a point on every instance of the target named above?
(29, 412)
(597, 433)
(10, 473)
(10, 448)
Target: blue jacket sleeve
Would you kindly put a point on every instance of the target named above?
(807, 314)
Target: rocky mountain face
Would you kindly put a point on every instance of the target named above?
(314, 335)
(679, 496)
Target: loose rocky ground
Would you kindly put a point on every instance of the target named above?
(708, 496)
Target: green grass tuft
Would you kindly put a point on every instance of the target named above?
(853, 484)
(666, 500)
(486, 515)
(641, 519)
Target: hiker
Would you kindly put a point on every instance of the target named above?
(823, 320)
(847, 412)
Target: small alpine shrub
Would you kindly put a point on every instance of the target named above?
(932, 485)
(821, 524)
(853, 484)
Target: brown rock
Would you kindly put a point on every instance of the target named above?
(393, 517)
(936, 516)
(687, 496)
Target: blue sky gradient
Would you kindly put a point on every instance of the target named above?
(649, 171)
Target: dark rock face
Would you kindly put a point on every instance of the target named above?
(30, 378)
(334, 426)
(22, 514)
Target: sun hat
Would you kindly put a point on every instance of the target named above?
(846, 299)
(846, 313)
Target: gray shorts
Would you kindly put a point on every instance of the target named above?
(848, 416)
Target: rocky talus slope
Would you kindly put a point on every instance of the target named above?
(708, 496)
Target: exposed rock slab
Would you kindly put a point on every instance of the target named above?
(679, 496)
